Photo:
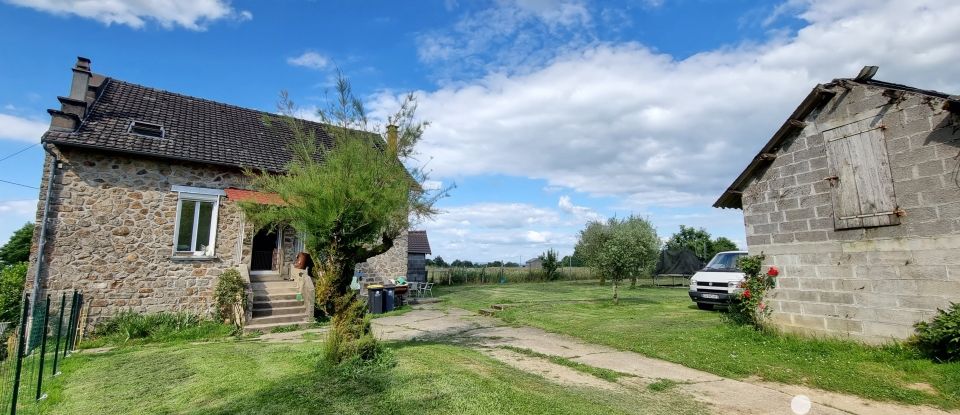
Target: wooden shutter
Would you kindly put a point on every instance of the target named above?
(862, 186)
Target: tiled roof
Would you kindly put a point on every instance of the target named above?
(417, 243)
(195, 129)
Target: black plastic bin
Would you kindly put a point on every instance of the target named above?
(375, 298)
(389, 298)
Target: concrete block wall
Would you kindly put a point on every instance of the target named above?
(870, 284)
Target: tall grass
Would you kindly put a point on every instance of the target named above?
(492, 275)
(130, 326)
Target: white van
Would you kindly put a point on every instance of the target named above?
(717, 283)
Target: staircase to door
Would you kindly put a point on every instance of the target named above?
(275, 304)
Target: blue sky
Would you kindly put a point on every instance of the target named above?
(546, 113)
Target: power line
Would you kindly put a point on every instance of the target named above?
(18, 184)
(20, 151)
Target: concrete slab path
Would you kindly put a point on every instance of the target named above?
(722, 395)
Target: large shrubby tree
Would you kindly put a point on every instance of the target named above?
(699, 241)
(17, 249)
(350, 201)
(620, 248)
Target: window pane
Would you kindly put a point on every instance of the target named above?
(185, 227)
(203, 225)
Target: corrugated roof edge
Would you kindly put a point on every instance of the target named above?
(731, 198)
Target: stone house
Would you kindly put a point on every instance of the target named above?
(138, 204)
(856, 198)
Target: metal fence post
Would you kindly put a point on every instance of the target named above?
(19, 365)
(76, 326)
(73, 312)
(56, 350)
(43, 348)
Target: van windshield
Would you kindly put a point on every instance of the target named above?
(724, 262)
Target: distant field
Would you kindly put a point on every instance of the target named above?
(491, 275)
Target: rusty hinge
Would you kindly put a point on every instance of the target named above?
(899, 212)
(832, 179)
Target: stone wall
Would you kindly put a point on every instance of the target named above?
(871, 284)
(110, 234)
(390, 264)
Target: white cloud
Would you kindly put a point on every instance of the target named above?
(583, 213)
(13, 214)
(511, 35)
(189, 14)
(17, 128)
(311, 60)
(624, 120)
(505, 231)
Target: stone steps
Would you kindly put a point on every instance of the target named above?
(275, 304)
(278, 311)
(269, 298)
(275, 276)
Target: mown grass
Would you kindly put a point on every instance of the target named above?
(663, 323)
(236, 377)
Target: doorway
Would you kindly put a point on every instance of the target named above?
(266, 245)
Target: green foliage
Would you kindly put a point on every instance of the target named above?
(350, 200)
(751, 307)
(12, 278)
(939, 339)
(230, 297)
(590, 243)
(350, 334)
(129, 325)
(17, 249)
(620, 248)
(437, 262)
(698, 241)
(550, 264)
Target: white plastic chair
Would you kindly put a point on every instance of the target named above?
(427, 287)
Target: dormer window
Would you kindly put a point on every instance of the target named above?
(146, 129)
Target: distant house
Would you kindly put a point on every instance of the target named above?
(534, 263)
(856, 199)
(418, 247)
(142, 208)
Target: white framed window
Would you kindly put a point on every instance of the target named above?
(195, 228)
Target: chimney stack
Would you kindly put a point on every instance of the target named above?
(392, 139)
(73, 108)
(81, 79)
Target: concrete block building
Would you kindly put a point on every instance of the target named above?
(856, 198)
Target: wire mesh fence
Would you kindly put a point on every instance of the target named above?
(34, 348)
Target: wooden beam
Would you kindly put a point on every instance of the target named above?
(768, 156)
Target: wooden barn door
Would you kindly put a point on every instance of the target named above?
(861, 182)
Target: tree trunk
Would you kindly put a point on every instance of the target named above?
(633, 281)
(616, 296)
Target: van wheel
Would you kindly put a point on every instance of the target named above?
(705, 306)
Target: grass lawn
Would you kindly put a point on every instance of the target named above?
(228, 377)
(663, 323)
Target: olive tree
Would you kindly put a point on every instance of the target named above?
(350, 200)
(621, 248)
